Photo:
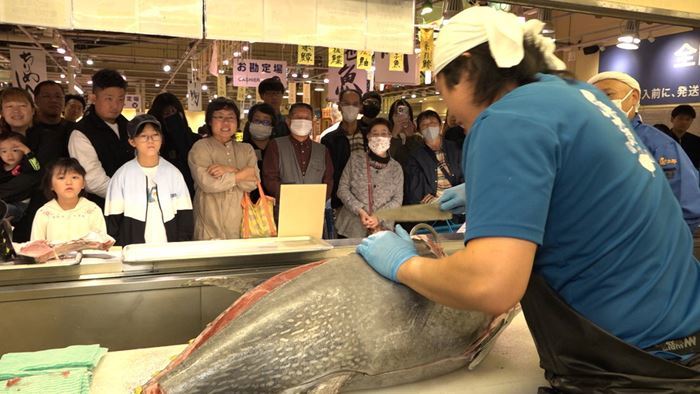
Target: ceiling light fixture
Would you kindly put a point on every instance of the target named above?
(89, 62)
(236, 54)
(427, 8)
(225, 62)
(61, 50)
(545, 15)
(205, 87)
(245, 48)
(68, 58)
(167, 68)
(305, 74)
(629, 39)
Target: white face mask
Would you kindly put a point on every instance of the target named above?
(350, 113)
(379, 145)
(300, 127)
(431, 133)
(260, 131)
(618, 103)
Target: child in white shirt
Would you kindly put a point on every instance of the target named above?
(69, 215)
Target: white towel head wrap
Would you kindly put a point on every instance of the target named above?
(502, 30)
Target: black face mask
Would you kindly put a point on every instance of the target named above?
(371, 110)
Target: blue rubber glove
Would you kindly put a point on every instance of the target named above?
(386, 251)
(454, 199)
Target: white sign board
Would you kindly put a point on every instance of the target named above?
(133, 101)
(385, 25)
(177, 18)
(28, 68)
(249, 72)
(194, 92)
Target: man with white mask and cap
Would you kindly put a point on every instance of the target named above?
(624, 92)
(563, 201)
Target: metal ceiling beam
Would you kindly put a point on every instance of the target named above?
(38, 45)
(185, 58)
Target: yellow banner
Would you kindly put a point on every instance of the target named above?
(426, 49)
(396, 62)
(240, 95)
(305, 55)
(307, 93)
(292, 86)
(364, 60)
(221, 85)
(336, 57)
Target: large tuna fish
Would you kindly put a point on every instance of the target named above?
(325, 326)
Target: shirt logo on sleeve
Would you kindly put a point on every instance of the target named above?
(643, 156)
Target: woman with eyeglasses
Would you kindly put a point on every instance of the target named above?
(258, 129)
(223, 170)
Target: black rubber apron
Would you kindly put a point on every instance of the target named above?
(579, 357)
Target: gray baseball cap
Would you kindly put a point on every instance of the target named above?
(136, 125)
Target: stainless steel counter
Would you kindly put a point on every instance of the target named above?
(128, 306)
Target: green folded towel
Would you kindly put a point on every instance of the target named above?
(33, 363)
(69, 381)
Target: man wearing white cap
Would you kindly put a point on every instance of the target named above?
(565, 202)
(624, 92)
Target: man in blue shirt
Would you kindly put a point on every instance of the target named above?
(559, 188)
(624, 92)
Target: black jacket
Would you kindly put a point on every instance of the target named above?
(113, 152)
(19, 183)
(420, 172)
(49, 141)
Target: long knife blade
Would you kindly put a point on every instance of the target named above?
(414, 213)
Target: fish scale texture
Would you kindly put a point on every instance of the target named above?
(337, 318)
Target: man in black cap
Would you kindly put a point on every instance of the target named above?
(271, 90)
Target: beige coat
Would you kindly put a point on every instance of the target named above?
(217, 201)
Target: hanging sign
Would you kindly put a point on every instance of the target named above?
(305, 55)
(306, 98)
(249, 72)
(28, 68)
(364, 60)
(292, 93)
(335, 57)
(133, 101)
(396, 62)
(221, 85)
(426, 49)
(346, 77)
(240, 94)
(408, 75)
(194, 92)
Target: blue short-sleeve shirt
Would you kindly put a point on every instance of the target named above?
(555, 163)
